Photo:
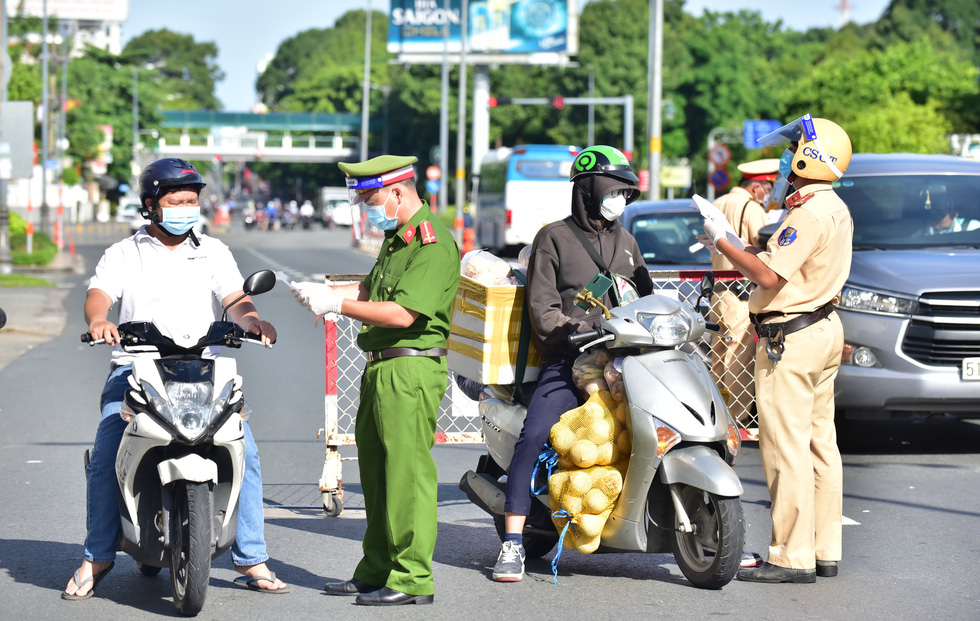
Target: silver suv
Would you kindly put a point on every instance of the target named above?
(911, 305)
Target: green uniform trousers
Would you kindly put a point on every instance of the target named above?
(395, 431)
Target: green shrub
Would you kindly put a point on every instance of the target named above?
(44, 249)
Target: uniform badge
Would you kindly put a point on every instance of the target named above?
(408, 235)
(788, 236)
(428, 235)
(797, 199)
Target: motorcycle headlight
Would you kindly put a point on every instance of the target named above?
(667, 330)
(188, 406)
(867, 301)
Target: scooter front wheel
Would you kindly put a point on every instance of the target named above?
(710, 555)
(190, 558)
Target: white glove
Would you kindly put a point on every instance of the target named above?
(705, 241)
(317, 298)
(719, 228)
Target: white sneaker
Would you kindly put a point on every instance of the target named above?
(510, 563)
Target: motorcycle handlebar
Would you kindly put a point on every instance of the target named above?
(582, 337)
(714, 327)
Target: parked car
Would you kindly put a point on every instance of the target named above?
(128, 211)
(911, 305)
(666, 232)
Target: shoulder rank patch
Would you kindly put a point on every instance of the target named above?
(409, 235)
(788, 236)
(796, 199)
(428, 235)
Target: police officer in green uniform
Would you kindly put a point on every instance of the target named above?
(405, 305)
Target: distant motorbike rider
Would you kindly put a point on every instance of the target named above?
(565, 257)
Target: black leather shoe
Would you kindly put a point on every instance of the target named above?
(774, 574)
(827, 569)
(391, 597)
(349, 587)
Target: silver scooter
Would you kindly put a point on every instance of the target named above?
(680, 493)
(181, 461)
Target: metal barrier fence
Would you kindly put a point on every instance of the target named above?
(459, 421)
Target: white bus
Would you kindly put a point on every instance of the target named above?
(521, 189)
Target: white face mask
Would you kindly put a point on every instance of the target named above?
(612, 206)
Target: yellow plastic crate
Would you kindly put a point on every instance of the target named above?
(485, 333)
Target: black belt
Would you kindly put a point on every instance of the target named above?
(398, 352)
(769, 330)
(776, 332)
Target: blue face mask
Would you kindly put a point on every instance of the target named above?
(786, 163)
(179, 220)
(376, 215)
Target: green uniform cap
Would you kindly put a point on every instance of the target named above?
(380, 167)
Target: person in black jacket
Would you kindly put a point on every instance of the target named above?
(565, 257)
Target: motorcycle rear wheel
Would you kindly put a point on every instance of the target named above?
(190, 558)
(710, 556)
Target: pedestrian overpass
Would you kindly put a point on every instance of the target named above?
(296, 137)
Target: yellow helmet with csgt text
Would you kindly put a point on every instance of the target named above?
(825, 157)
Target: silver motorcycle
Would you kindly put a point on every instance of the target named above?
(680, 493)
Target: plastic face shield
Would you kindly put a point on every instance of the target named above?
(358, 189)
(799, 131)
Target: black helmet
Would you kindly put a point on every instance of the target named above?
(603, 160)
(169, 172)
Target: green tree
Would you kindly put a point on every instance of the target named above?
(908, 20)
(902, 98)
(187, 70)
(102, 88)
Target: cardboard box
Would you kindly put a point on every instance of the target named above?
(485, 333)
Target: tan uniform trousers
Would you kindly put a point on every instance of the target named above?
(798, 445)
(733, 362)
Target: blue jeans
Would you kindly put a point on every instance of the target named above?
(102, 517)
(555, 394)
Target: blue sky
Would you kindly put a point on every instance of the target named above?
(248, 30)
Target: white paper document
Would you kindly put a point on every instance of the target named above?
(709, 212)
(280, 275)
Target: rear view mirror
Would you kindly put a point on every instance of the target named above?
(259, 282)
(706, 288)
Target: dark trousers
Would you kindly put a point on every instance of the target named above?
(556, 394)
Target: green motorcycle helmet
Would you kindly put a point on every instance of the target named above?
(606, 161)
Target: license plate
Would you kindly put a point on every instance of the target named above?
(971, 369)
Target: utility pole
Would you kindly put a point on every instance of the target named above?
(444, 121)
(6, 65)
(366, 92)
(461, 124)
(655, 86)
(45, 113)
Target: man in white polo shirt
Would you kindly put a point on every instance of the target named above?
(164, 273)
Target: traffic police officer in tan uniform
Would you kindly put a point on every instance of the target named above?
(405, 305)
(733, 362)
(799, 278)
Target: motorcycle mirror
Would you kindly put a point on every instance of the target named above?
(707, 287)
(259, 282)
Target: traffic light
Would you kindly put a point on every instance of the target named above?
(558, 102)
(491, 102)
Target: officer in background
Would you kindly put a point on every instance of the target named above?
(799, 278)
(404, 305)
(733, 361)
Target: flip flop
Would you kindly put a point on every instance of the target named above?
(252, 583)
(95, 579)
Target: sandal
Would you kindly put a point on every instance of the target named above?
(95, 579)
